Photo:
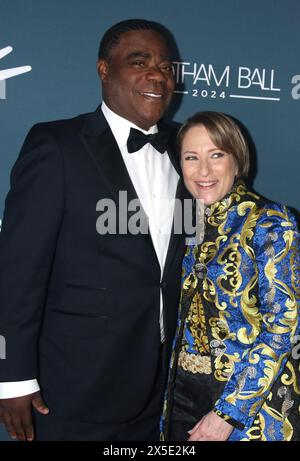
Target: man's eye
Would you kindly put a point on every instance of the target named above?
(167, 68)
(138, 63)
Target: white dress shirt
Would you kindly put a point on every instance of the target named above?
(155, 181)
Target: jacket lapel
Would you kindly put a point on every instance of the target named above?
(172, 147)
(103, 148)
(177, 238)
(101, 145)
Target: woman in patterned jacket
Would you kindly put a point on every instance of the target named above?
(234, 372)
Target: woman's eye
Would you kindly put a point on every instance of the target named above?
(217, 155)
(190, 157)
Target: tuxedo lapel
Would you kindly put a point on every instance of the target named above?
(101, 145)
(172, 147)
(177, 235)
(176, 238)
(103, 148)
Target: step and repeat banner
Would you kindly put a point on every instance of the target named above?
(234, 56)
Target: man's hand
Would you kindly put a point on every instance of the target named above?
(211, 428)
(16, 415)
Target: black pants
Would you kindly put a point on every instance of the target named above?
(194, 396)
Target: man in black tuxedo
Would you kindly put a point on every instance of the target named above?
(89, 316)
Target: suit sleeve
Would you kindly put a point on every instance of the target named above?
(276, 255)
(30, 228)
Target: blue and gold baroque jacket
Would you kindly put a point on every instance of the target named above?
(238, 316)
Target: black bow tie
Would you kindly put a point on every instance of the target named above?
(137, 139)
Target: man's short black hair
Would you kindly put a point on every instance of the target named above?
(112, 35)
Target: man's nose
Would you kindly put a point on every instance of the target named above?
(155, 73)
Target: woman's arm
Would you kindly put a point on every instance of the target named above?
(275, 252)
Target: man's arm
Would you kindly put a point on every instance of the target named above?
(16, 415)
(31, 223)
(11, 391)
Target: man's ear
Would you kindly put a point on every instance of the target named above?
(102, 67)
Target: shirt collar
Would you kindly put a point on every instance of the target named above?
(230, 199)
(121, 127)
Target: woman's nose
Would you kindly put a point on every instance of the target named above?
(203, 168)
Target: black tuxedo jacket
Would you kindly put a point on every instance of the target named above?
(79, 310)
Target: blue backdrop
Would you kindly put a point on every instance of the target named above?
(236, 56)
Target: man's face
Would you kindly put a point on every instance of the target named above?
(137, 77)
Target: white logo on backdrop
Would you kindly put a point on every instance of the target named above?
(9, 73)
(215, 81)
(296, 88)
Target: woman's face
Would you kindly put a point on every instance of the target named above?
(208, 171)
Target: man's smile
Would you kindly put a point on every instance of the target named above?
(151, 95)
